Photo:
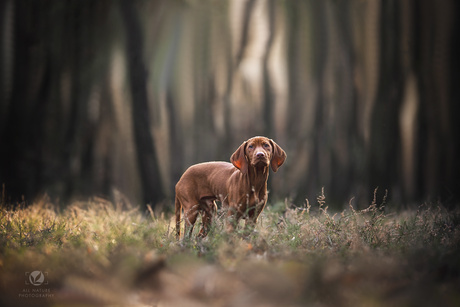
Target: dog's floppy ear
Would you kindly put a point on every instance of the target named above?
(239, 160)
(278, 156)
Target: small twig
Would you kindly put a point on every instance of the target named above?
(152, 214)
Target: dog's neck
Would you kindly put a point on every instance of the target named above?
(258, 178)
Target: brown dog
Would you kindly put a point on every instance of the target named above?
(241, 186)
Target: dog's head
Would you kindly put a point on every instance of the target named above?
(258, 152)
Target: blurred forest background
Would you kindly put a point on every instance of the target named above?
(104, 96)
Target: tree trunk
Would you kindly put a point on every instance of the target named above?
(146, 154)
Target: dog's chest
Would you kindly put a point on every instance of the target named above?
(256, 197)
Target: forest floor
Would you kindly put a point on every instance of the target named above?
(99, 253)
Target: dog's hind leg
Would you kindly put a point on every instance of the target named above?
(190, 216)
(209, 212)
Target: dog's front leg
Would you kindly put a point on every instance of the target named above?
(253, 216)
(234, 215)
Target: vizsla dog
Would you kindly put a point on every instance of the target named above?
(241, 186)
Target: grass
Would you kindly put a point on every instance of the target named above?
(98, 253)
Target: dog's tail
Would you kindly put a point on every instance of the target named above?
(178, 211)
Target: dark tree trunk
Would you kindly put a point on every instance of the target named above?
(146, 155)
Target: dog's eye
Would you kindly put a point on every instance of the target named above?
(250, 146)
(266, 145)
